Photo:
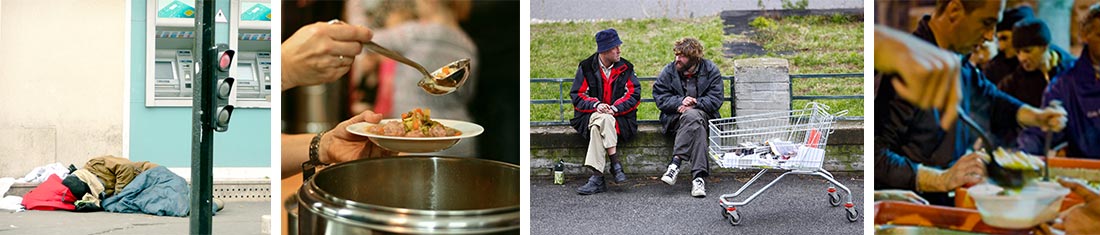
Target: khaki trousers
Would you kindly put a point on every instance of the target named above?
(601, 129)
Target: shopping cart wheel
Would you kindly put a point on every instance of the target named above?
(734, 218)
(834, 198)
(852, 214)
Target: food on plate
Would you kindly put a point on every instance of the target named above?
(415, 123)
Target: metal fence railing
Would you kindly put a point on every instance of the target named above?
(564, 103)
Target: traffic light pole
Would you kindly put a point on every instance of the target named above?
(202, 133)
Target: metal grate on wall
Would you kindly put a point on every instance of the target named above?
(242, 190)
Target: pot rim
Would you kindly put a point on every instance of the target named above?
(396, 219)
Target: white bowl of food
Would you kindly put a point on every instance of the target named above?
(416, 133)
(1036, 203)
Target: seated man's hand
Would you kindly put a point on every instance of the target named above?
(339, 145)
(604, 108)
(1080, 219)
(688, 101)
(684, 108)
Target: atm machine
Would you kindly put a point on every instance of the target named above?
(169, 82)
(253, 43)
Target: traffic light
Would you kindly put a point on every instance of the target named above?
(222, 87)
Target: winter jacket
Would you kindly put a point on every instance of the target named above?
(1079, 91)
(116, 172)
(1029, 86)
(621, 90)
(669, 92)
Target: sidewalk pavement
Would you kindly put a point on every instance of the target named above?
(794, 205)
(238, 217)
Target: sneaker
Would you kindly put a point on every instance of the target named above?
(670, 175)
(697, 189)
(595, 185)
(617, 171)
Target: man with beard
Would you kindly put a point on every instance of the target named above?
(605, 97)
(688, 92)
(1005, 62)
(912, 152)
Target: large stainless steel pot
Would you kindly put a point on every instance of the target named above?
(411, 195)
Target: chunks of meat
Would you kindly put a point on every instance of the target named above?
(437, 131)
(393, 129)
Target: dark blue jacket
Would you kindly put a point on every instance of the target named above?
(621, 91)
(906, 136)
(1028, 87)
(669, 92)
(1079, 91)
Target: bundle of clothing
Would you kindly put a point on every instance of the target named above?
(114, 184)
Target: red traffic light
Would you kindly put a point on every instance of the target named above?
(225, 59)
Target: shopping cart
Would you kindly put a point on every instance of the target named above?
(788, 140)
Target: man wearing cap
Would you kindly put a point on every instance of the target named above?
(688, 92)
(605, 98)
(1005, 62)
(1079, 92)
(912, 150)
(1039, 61)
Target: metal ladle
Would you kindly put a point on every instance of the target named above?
(437, 82)
(1004, 177)
(1046, 146)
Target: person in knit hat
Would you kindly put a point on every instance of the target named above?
(1005, 62)
(1039, 62)
(605, 96)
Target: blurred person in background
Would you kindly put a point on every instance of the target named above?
(1005, 62)
(1078, 90)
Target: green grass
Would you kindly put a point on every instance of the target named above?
(813, 44)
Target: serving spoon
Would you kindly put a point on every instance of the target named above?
(442, 81)
(1001, 176)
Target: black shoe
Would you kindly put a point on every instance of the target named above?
(595, 185)
(617, 170)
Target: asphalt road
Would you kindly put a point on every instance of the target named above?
(794, 205)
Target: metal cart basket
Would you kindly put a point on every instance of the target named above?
(787, 140)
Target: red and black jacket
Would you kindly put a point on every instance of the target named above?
(621, 90)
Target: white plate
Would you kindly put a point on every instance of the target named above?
(418, 144)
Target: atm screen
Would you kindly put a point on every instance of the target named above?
(245, 72)
(163, 71)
